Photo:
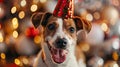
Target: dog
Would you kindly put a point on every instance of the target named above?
(59, 39)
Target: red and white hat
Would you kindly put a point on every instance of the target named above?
(64, 9)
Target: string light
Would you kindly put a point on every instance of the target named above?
(3, 56)
(15, 34)
(104, 27)
(25, 61)
(115, 44)
(1, 37)
(43, 1)
(34, 8)
(15, 23)
(17, 62)
(13, 10)
(96, 15)
(23, 3)
(100, 62)
(35, 1)
(37, 39)
(21, 14)
(115, 56)
(89, 17)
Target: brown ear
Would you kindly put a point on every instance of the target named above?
(82, 24)
(40, 18)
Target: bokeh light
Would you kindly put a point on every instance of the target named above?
(25, 61)
(89, 17)
(13, 9)
(17, 61)
(15, 34)
(3, 56)
(34, 8)
(96, 15)
(115, 56)
(15, 23)
(115, 65)
(21, 14)
(43, 1)
(23, 3)
(35, 1)
(104, 27)
(116, 44)
(100, 62)
(37, 39)
(1, 37)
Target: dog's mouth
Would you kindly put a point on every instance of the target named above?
(58, 55)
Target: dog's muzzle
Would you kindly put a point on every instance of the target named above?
(58, 51)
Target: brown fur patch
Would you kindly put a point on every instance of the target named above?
(67, 24)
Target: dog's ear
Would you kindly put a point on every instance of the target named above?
(83, 27)
(82, 24)
(40, 18)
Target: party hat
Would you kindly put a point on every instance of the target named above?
(64, 9)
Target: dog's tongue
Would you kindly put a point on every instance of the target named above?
(59, 55)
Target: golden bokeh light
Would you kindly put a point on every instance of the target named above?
(3, 56)
(104, 27)
(15, 34)
(89, 17)
(1, 37)
(35, 1)
(25, 60)
(37, 39)
(43, 1)
(17, 62)
(21, 14)
(96, 15)
(13, 10)
(15, 23)
(115, 56)
(34, 8)
(23, 3)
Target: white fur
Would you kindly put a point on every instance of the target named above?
(70, 62)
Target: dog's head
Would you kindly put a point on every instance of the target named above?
(60, 34)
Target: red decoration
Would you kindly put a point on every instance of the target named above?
(32, 32)
(64, 9)
(8, 65)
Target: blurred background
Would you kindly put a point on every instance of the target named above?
(19, 40)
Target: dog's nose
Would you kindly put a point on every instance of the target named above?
(61, 43)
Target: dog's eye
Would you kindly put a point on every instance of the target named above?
(72, 29)
(51, 26)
